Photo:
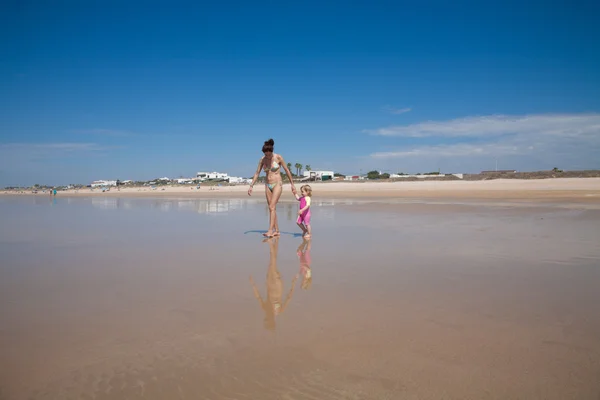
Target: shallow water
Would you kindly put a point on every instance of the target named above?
(115, 298)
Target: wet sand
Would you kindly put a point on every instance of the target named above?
(124, 298)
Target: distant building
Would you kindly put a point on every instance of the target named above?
(203, 176)
(319, 175)
(424, 176)
(235, 179)
(503, 171)
(102, 183)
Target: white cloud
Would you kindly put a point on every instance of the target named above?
(530, 141)
(496, 125)
(27, 163)
(18, 155)
(51, 147)
(103, 132)
(456, 150)
(397, 111)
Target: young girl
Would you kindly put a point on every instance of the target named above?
(304, 211)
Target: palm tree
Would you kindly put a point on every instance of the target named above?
(307, 167)
(289, 165)
(298, 167)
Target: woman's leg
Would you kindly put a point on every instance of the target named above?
(275, 194)
(276, 228)
(268, 195)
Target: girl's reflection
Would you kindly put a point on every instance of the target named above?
(273, 306)
(303, 253)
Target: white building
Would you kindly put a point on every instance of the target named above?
(104, 183)
(319, 175)
(235, 179)
(184, 180)
(202, 176)
(396, 176)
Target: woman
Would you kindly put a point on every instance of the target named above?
(271, 163)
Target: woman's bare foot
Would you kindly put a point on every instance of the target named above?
(268, 234)
(276, 233)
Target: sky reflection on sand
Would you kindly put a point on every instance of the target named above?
(131, 298)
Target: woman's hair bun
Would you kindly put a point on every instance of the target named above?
(268, 146)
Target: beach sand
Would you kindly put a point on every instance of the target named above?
(114, 297)
(569, 189)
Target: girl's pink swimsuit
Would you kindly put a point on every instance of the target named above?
(305, 216)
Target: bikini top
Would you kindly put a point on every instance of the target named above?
(274, 166)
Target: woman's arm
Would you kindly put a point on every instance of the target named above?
(288, 173)
(256, 292)
(289, 296)
(255, 177)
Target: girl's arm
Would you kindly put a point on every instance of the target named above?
(307, 206)
(288, 173)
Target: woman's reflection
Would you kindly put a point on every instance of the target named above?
(273, 306)
(303, 253)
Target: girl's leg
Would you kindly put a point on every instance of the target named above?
(307, 224)
(300, 222)
(301, 227)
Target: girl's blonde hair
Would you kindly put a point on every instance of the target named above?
(307, 188)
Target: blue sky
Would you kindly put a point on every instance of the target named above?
(98, 90)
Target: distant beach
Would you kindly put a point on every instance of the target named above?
(568, 189)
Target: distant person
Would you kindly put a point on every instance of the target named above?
(274, 304)
(54, 192)
(303, 220)
(271, 163)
